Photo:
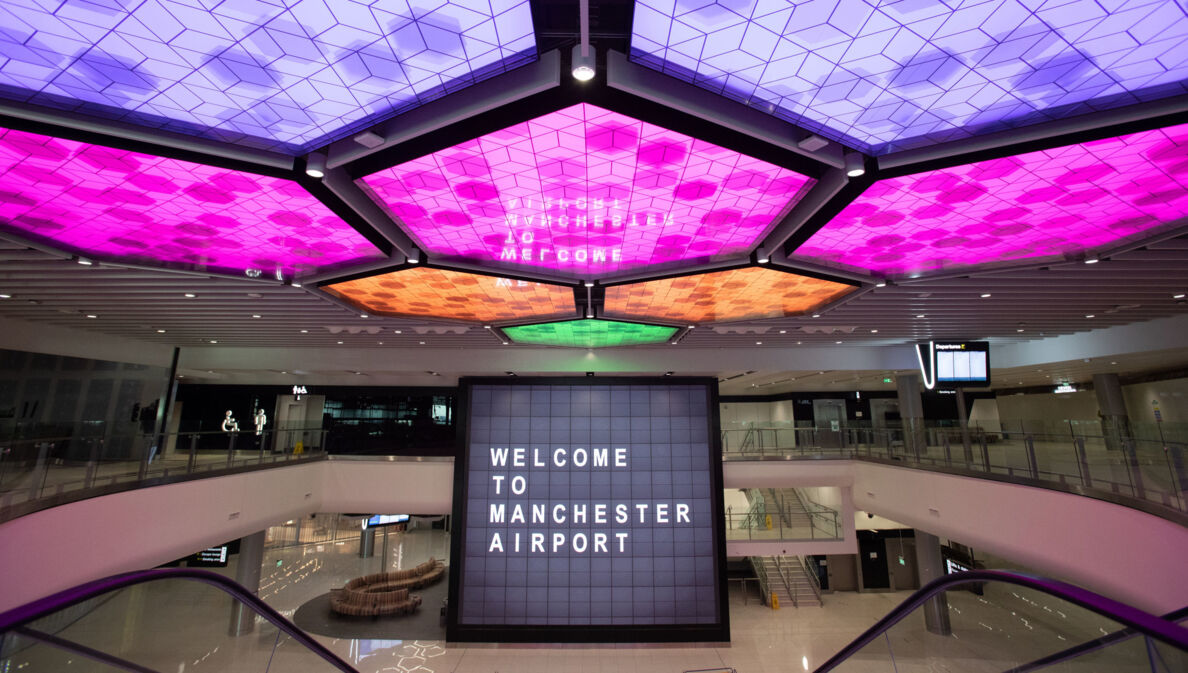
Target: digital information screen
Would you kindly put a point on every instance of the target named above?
(590, 511)
(955, 363)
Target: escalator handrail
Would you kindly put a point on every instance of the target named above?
(29, 612)
(1090, 646)
(1141, 622)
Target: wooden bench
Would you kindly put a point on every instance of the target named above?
(385, 593)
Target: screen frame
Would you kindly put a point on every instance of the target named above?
(929, 350)
(718, 632)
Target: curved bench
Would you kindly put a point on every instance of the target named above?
(385, 593)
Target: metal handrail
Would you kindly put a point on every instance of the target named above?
(19, 617)
(1142, 622)
(814, 581)
(787, 585)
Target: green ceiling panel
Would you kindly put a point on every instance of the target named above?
(589, 333)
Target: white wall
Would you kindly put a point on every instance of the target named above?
(1121, 552)
(1172, 397)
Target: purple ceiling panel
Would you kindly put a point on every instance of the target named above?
(285, 76)
(884, 76)
(137, 207)
(586, 191)
(1063, 201)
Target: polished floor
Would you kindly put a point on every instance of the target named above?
(183, 626)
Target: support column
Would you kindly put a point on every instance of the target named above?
(1115, 423)
(911, 410)
(930, 566)
(367, 543)
(247, 574)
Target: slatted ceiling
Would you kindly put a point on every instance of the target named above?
(1130, 287)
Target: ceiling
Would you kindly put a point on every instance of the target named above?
(730, 178)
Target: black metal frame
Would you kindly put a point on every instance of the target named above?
(458, 632)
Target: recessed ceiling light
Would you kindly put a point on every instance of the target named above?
(84, 261)
(1113, 363)
(1090, 315)
(422, 343)
(874, 331)
(758, 343)
(160, 331)
(255, 315)
(214, 341)
(783, 331)
(881, 283)
(816, 315)
(92, 315)
(380, 343)
(398, 331)
(1019, 330)
(1174, 296)
(504, 343)
(340, 343)
(296, 284)
(692, 326)
(305, 331)
(985, 295)
(5, 296)
(189, 295)
(486, 327)
(1092, 260)
(920, 315)
(838, 342)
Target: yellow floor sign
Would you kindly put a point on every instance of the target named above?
(775, 601)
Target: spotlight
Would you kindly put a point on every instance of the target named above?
(589, 373)
(315, 165)
(855, 164)
(761, 255)
(583, 63)
(414, 256)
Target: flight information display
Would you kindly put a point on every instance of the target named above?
(951, 364)
(589, 512)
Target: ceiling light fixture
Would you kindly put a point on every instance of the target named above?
(414, 256)
(855, 165)
(1092, 260)
(1090, 315)
(92, 315)
(761, 255)
(589, 283)
(214, 341)
(84, 261)
(5, 296)
(189, 295)
(1174, 296)
(583, 55)
(160, 331)
(296, 284)
(315, 165)
(985, 295)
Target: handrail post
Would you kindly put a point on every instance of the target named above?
(1082, 461)
(92, 463)
(142, 472)
(193, 453)
(985, 452)
(948, 450)
(42, 468)
(1032, 465)
(1132, 466)
(231, 448)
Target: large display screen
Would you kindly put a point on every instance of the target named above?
(952, 364)
(590, 510)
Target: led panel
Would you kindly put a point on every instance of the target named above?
(280, 75)
(440, 293)
(588, 191)
(738, 294)
(589, 333)
(883, 76)
(138, 207)
(1053, 202)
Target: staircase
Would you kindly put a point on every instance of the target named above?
(789, 581)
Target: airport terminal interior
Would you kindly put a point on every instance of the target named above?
(543, 335)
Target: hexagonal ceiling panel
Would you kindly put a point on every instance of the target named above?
(282, 76)
(440, 293)
(1057, 202)
(586, 191)
(137, 207)
(738, 294)
(589, 333)
(883, 76)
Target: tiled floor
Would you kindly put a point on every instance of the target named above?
(182, 626)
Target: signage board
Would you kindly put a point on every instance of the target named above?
(384, 520)
(212, 557)
(954, 364)
(589, 510)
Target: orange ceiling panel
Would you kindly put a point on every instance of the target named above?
(721, 296)
(456, 295)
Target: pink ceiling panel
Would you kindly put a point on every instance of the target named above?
(587, 191)
(1065, 201)
(137, 207)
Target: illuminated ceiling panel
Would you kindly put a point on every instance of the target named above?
(1062, 201)
(590, 333)
(884, 76)
(738, 294)
(284, 76)
(136, 207)
(587, 191)
(439, 293)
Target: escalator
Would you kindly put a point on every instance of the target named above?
(1003, 622)
(158, 621)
